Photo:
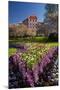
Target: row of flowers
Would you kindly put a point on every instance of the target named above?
(31, 76)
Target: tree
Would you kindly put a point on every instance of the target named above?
(41, 29)
(12, 30)
(51, 17)
(31, 32)
(21, 30)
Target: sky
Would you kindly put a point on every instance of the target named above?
(18, 11)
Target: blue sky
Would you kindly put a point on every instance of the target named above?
(18, 11)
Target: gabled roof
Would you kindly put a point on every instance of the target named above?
(32, 17)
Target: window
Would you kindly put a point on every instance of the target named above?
(30, 25)
(30, 19)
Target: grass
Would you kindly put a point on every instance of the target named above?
(12, 51)
(27, 39)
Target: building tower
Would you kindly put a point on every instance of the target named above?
(31, 22)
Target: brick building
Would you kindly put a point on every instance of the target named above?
(31, 22)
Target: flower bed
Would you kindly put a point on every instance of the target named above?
(28, 66)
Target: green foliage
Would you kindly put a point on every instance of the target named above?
(53, 37)
(51, 19)
(12, 51)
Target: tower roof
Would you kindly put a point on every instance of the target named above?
(32, 17)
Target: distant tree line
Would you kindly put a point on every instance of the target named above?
(20, 30)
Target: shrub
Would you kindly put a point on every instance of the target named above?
(53, 37)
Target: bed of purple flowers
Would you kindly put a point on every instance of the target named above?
(40, 74)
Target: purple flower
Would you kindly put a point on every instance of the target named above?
(29, 79)
(36, 73)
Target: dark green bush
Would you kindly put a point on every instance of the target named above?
(53, 37)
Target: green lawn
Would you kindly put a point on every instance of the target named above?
(27, 39)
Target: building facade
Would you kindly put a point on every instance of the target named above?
(31, 22)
